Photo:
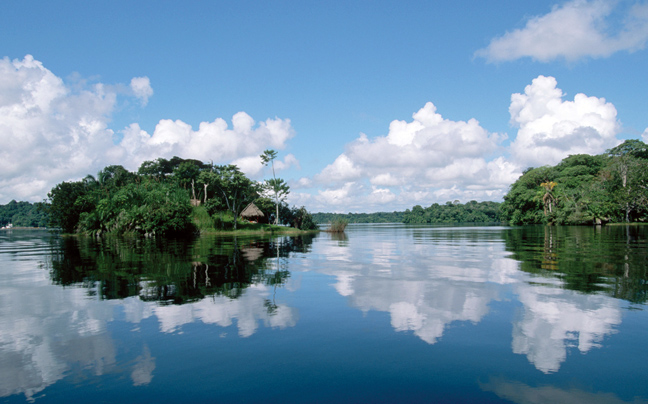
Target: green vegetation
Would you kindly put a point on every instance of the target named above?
(378, 217)
(275, 186)
(23, 214)
(301, 219)
(338, 225)
(451, 212)
(454, 212)
(164, 197)
(583, 189)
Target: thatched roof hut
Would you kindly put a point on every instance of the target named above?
(252, 213)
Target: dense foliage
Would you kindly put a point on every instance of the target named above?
(454, 212)
(583, 189)
(160, 198)
(23, 214)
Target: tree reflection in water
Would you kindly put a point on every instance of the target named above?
(173, 271)
(609, 259)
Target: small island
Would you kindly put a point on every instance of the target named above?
(175, 197)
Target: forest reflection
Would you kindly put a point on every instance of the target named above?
(49, 331)
(609, 259)
(174, 271)
(569, 281)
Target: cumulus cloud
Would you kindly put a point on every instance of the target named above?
(52, 132)
(575, 30)
(433, 159)
(341, 196)
(216, 141)
(645, 136)
(414, 159)
(48, 133)
(550, 129)
(141, 87)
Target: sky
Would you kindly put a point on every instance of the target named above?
(371, 105)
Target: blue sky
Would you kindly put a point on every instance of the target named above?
(372, 106)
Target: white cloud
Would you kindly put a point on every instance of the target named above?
(215, 141)
(550, 129)
(432, 159)
(414, 159)
(381, 196)
(575, 30)
(645, 136)
(289, 161)
(338, 197)
(342, 169)
(303, 182)
(48, 133)
(141, 87)
(52, 132)
(242, 144)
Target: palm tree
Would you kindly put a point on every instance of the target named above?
(548, 199)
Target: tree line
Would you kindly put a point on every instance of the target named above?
(377, 217)
(156, 199)
(583, 189)
(454, 212)
(23, 214)
(162, 196)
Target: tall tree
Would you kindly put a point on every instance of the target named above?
(629, 164)
(548, 197)
(65, 207)
(277, 186)
(280, 189)
(235, 188)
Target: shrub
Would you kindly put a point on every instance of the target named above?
(338, 225)
(302, 219)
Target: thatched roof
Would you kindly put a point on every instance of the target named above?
(252, 211)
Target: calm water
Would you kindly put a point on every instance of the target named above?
(385, 313)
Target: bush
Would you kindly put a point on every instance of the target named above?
(202, 219)
(151, 208)
(223, 220)
(302, 219)
(338, 225)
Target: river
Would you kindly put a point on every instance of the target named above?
(380, 314)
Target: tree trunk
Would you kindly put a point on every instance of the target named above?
(627, 213)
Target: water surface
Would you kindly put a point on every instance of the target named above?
(383, 313)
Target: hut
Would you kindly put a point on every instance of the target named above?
(252, 213)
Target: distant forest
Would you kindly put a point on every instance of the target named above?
(378, 217)
(454, 212)
(23, 214)
(450, 212)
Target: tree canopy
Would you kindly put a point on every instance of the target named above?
(23, 214)
(454, 212)
(158, 198)
(583, 189)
